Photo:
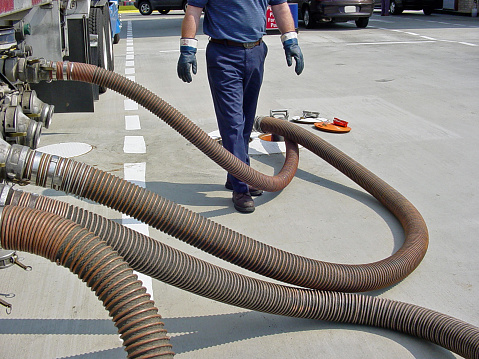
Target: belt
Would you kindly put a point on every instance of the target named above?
(246, 45)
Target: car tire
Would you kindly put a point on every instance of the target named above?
(362, 22)
(145, 8)
(307, 19)
(185, 5)
(394, 9)
(163, 12)
(427, 11)
(116, 39)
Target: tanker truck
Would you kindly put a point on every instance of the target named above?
(56, 30)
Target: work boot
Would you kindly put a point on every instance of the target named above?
(252, 191)
(243, 202)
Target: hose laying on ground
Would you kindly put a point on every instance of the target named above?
(84, 181)
(95, 263)
(87, 182)
(196, 276)
(104, 78)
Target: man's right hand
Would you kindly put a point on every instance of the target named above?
(187, 60)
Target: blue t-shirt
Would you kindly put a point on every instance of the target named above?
(236, 20)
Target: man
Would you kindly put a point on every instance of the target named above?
(235, 62)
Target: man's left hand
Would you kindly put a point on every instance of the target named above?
(291, 49)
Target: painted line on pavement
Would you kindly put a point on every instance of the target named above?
(134, 172)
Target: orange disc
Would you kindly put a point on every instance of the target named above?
(329, 127)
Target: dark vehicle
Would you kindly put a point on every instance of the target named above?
(146, 7)
(313, 11)
(396, 7)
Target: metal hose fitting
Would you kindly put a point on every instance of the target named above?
(174, 267)
(18, 128)
(103, 270)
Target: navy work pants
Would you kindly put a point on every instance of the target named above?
(235, 75)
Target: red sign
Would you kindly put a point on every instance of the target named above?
(270, 20)
(6, 5)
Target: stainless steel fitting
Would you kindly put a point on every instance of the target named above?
(32, 106)
(18, 128)
(30, 69)
(13, 161)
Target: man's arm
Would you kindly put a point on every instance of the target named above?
(191, 21)
(188, 43)
(284, 19)
(285, 22)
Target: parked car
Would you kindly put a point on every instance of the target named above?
(313, 11)
(396, 7)
(146, 7)
(115, 21)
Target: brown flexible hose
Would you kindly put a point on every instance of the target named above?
(95, 263)
(184, 126)
(99, 186)
(231, 246)
(194, 275)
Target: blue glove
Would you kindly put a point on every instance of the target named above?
(187, 59)
(291, 49)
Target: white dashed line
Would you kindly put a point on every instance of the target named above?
(134, 144)
(134, 172)
(130, 105)
(132, 123)
(389, 43)
(129, 70)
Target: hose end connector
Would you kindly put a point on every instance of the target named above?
(13, 162)
(257, 124)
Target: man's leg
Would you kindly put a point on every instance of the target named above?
(225, 66)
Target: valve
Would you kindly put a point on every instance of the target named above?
(18, 128)
(32, 106)
(29, 69)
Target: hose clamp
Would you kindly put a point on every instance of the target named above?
(5, 191)
(16, 163)
(54, 70)
(37, 158)
(65, 67)
(55, 172)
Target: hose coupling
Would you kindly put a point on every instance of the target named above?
(13, 161)
(32, 106)
(257, 124)
(29, 69)
(19, 128)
